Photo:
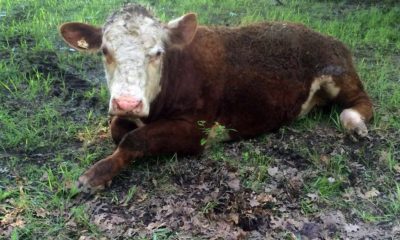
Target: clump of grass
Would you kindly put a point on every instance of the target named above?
(333, 175)
(254, 167)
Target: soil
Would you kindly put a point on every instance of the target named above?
(203, 197)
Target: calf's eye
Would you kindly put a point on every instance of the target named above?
(155, 55)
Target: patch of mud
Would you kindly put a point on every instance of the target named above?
(19, 12)
(67, 81)
(17, 50)
(64, 80)
(10, 46)
(200, 197)
(47, 63)
(204, 199)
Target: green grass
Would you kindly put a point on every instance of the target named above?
(50, 127)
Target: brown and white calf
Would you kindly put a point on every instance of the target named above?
(165, 78)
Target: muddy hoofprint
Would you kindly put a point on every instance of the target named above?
(165, 78)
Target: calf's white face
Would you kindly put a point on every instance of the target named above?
(133, 44)
(133, 58)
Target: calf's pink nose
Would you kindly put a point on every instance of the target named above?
(126, 103)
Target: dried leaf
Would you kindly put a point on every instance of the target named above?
(40, 212)
(396, 229)
(351, 228)
(167, 210)
(296, 183)
(234, 184)
(312, 196)
(4, 170)
(397, 168)
(71, 224)
(11, 217)
(325, 159)
(18, 223)
(272, 171)
(276, 223)
(7, 219)
(130, 232)
(254, 203)
(370, 194)
(44, 177)
(108, 222)
(155, 225)
(234, 217)
(264, 198)
(154, 181)
(383, 158)
(69, 184)
(349, 194)
(297, 224)
(83, 237)
(142, 197)
(333, 219)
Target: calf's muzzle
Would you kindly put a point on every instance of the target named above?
(125, 104)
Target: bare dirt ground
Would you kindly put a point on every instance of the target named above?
(199, 196)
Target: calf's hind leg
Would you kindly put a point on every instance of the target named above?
(357, 105)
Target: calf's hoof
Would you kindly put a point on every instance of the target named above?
(85, 185)
(361, 130)
(97, 177)
(353, 122)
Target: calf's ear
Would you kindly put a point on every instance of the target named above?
(182, 30)
(81, 36)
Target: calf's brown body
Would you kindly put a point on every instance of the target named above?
(251, 79)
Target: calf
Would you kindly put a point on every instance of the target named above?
(165, 78)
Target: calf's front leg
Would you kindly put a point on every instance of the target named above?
(119, 127)
(162, 137)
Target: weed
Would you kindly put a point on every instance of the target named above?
(216, 134)
(209, 207)
(327, 187)
(163, 234)
(4, 194)
(80, 216)
(389, 159)
(254, 167)
(308, 207)
(129, 195)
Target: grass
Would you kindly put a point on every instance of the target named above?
(53, 115)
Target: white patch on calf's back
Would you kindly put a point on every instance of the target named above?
(324, 83)
(331, 89)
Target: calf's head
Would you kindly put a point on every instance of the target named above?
(133, 44)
